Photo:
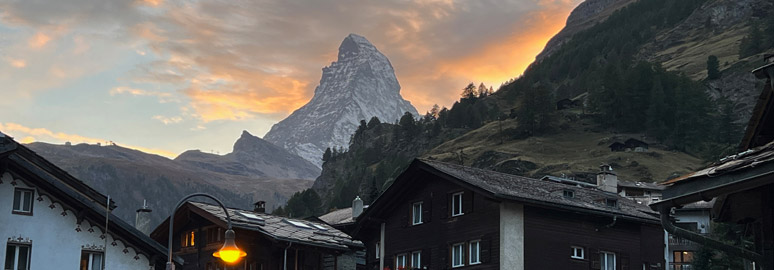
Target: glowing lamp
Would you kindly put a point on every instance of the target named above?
(229, 253)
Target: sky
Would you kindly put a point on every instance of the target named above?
(166, 76)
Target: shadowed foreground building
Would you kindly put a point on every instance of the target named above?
(441, 216)
(271, 242)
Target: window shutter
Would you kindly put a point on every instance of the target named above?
(406, 214)
(427, 207)
(624, 261)
(467, 201)
(446, 260)
(485, 247)
(426, 258)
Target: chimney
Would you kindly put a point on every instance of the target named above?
(357, 207)
(260, 207)
(606, 179)
(142, 219)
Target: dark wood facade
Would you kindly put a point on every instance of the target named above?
(439, 230)
(549, 233)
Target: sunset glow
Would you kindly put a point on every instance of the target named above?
(154, 70)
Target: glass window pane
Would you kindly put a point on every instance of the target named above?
(17, 200)
(10, 254)
(23, 258)
(27, 201)
(96, 261)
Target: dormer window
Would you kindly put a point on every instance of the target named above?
(611, 203)
(568, 193)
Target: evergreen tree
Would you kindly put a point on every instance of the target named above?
(656, 111)
(374, 122)
(435, 111)
(712, 67)
(327, 154)
(482, 91)
(469, 92)
(536, 111)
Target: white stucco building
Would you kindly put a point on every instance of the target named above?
(51, 220)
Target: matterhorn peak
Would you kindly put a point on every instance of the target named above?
(360, 85)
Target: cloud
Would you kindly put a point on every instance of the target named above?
(237, 60)
(17, 63)
(38, 134)
(168, 120)
(163, 97)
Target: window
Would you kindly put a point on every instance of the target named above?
(474, 252)
(458, 255)
(22, 201)
(188, 239)
(214, 235)
(682, 260)
(416, 259)
(568, 193)
(607, 260)
(457, 204)
(378, 249)
(91, 260)
(577, 253)
(400, 261)
(17, 257)
(611, 202)
(416, 214)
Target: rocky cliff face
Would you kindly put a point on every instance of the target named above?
(361, 84)
(254, 157)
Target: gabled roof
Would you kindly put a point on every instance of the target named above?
(72, 192)
(340, 216)
(507, 187)
(282, 229)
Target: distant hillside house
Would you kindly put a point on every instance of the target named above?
(271, 242)
(564, 104)
(51, 220)
(441, 216)
(617, 147)
(636, 145)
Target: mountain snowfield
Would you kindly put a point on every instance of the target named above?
(361, 84)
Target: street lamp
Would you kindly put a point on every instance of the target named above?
(229, 253)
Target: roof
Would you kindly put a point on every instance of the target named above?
(566, 181)
(529, 191)
(284, 229)
(641, 185)
(340, 216)
(740, 161)
(54, 181)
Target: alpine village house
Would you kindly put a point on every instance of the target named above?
(271, 242)
(445, 216)
(51, 220)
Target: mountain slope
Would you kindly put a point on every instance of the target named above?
(360, 85)
(254, 157)
(131, 176)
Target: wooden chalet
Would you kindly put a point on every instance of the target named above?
(441, 216)
(742, 184)
(617, 147)
(271, 242)
(633, 144)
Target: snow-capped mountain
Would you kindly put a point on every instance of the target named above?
(361, 84)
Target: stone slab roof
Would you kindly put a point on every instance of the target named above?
(284, 229)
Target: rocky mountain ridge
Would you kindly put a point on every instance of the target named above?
(360, 85)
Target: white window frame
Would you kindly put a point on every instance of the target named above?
(22, 200)
(401, 260)
(378, 249)
(90, 263)
(416, 216)
(477, 250)
(16, 255)
(603, 260)
(455, 253)
(418, 262)
(458, 204)
(578, 253)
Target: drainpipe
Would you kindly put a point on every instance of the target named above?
(381, 247)
(703, 240)
(285, 260)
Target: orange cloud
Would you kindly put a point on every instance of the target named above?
(17, 63)
(153, 3)
(38, 40)
(32, 135)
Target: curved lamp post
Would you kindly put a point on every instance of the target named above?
(229, 253)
